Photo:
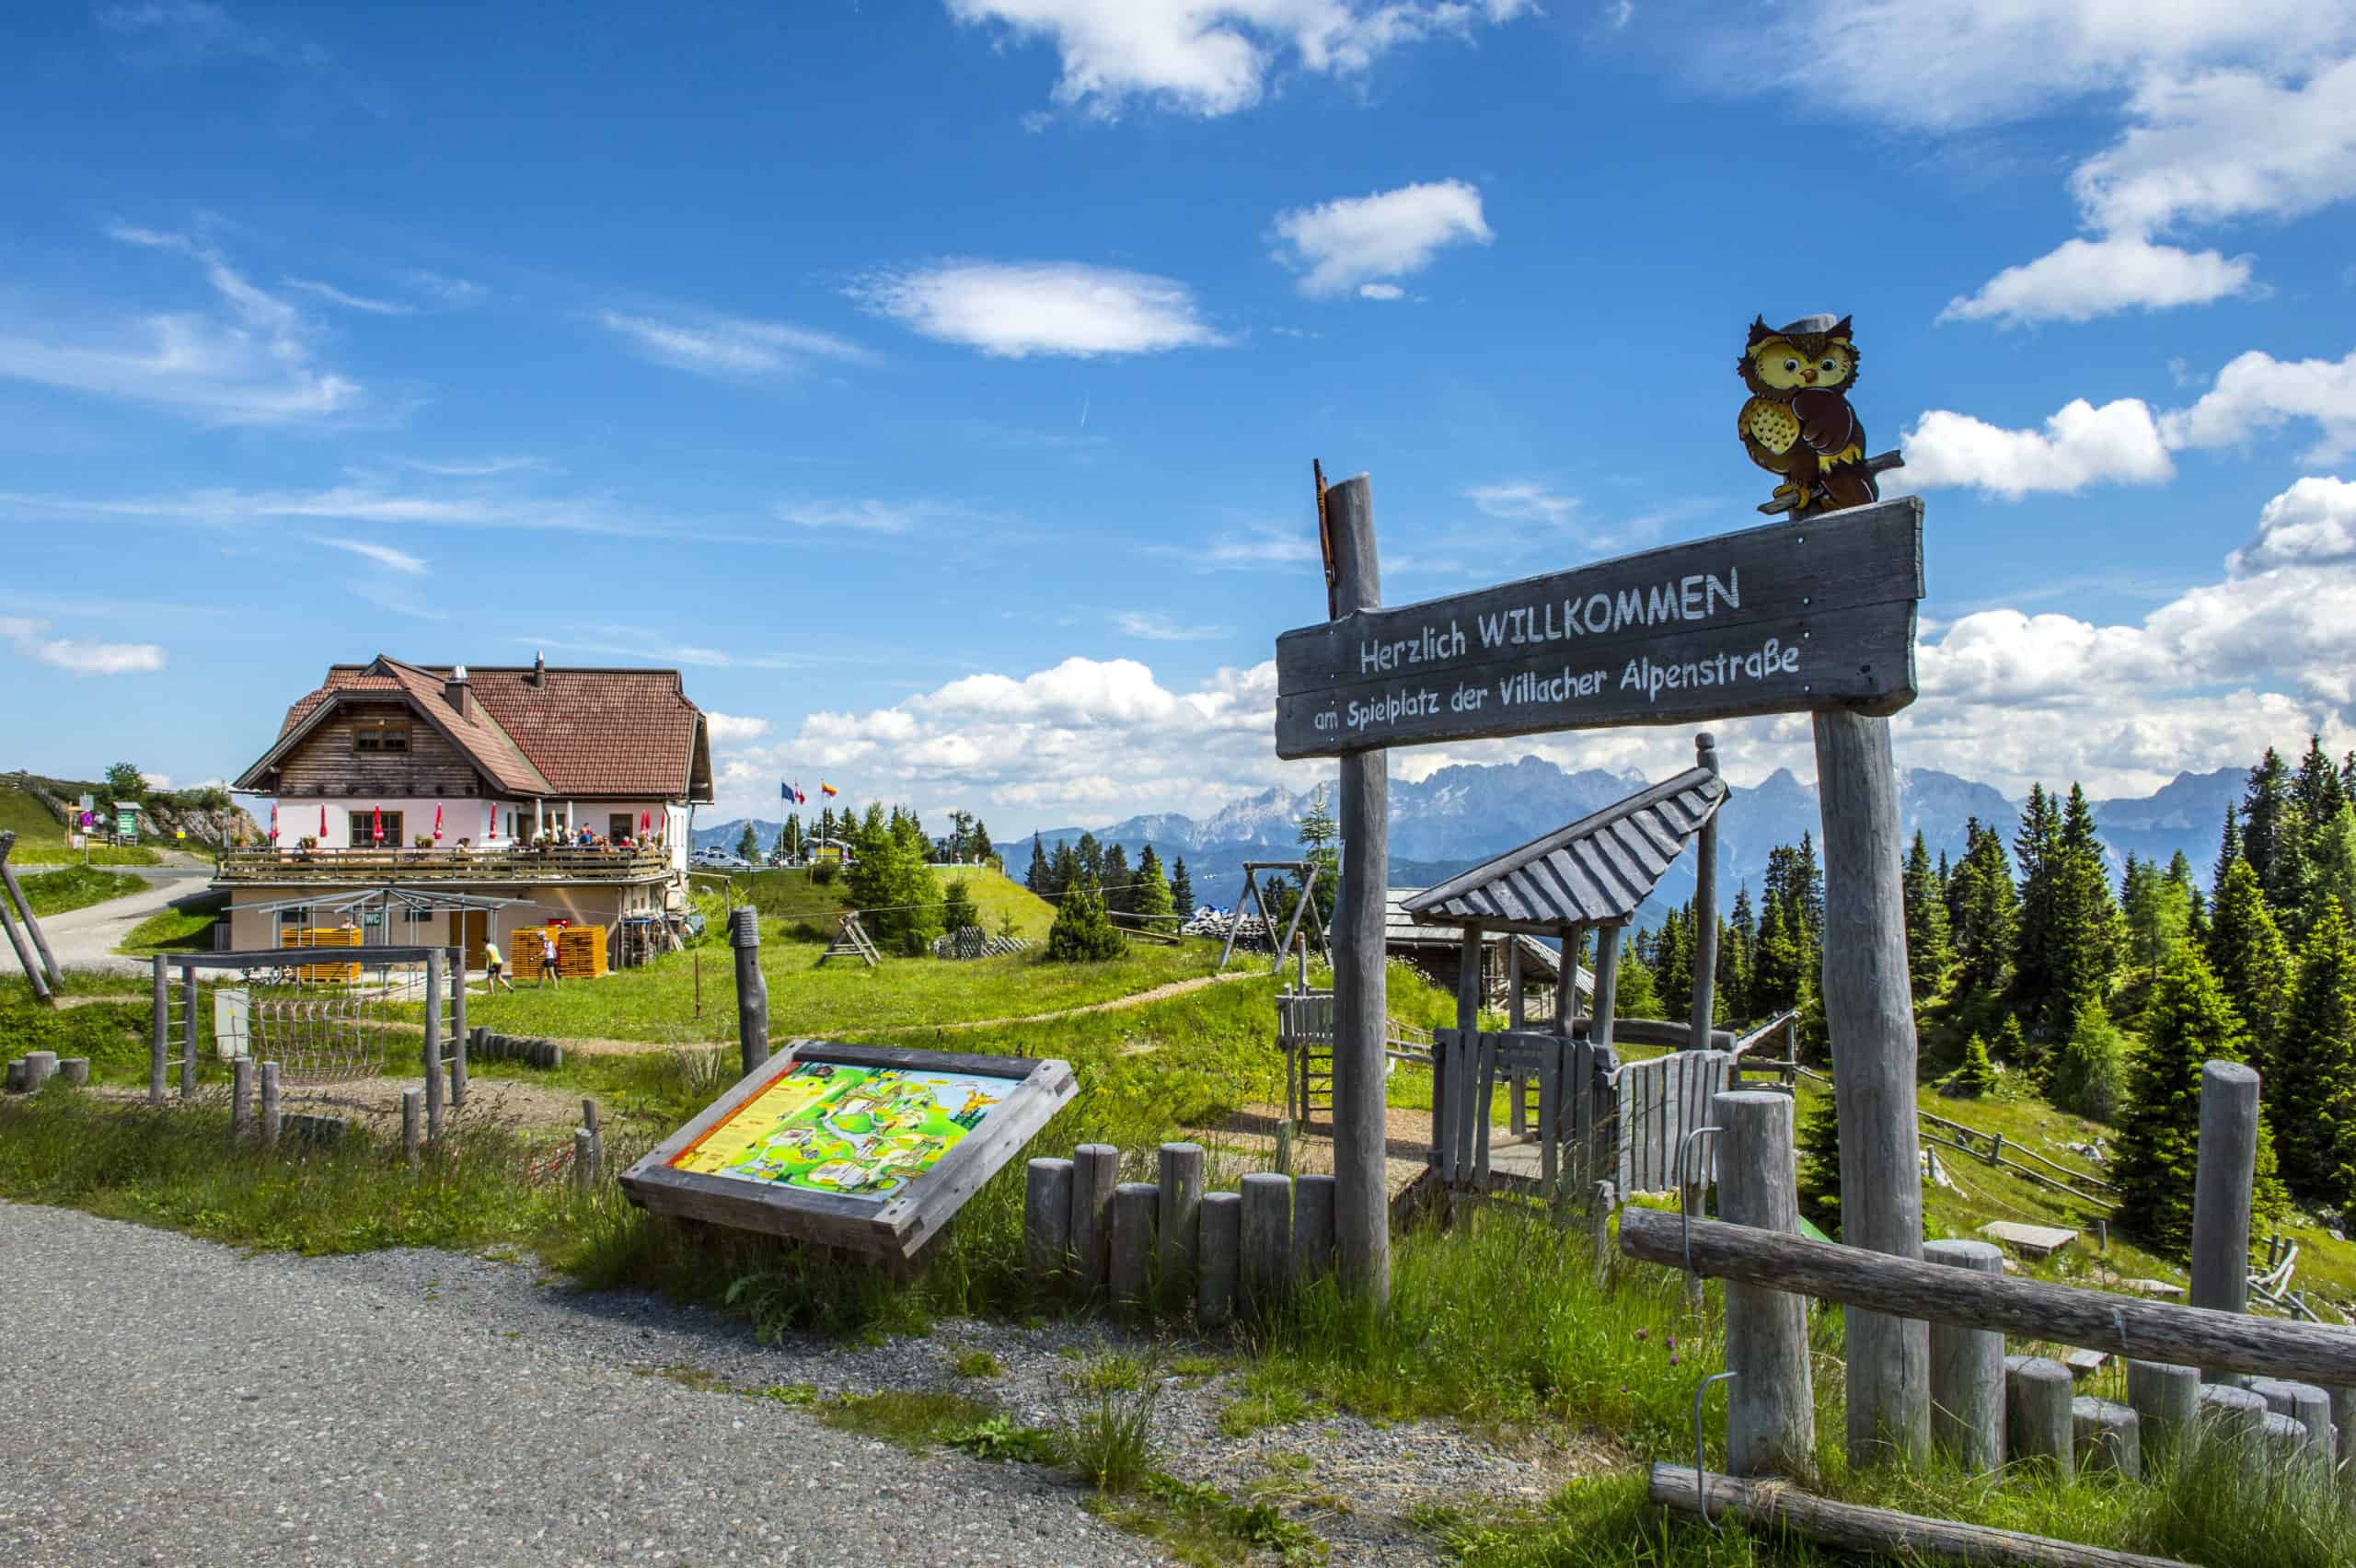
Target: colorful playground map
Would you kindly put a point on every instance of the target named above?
(855, 1132)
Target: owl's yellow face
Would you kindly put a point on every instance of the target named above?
(1786, 367)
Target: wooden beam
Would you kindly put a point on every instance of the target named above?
(1928, 1293)
(1361, 1198)
(1881, 1533)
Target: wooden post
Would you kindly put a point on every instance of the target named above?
(241, 1100)
(585, 1159)
(74, 1071)
(434, 1086)
(269, 1111)
(1361, 1198)
(1770, 1405)
(1467, 1019)
(1095, 1171)
(596, 1129)
(1597, 1134)
(189, 1023)
(1312, 1228)
(1516, 1112)
(1869, 1009)
(1133, 1206)
(1599, 1234)
(27, 959)
(1705, 907)
(1218, 1259)
(1967, 1370)
(2165, 1398)
(1267, 1236)
(16, 891)
(1047, 1223)
(159, 1039)
(412, 1114)
(2307, 1403)
(751, 988)
(2220, 1188)
(2038, 1421)
(458, 1025)
(39, 1066)
(1180, 1216)
(1284, 1146)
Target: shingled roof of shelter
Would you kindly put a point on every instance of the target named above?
(1598, 871)
(540, 730)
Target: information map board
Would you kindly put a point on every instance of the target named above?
(859, 1147)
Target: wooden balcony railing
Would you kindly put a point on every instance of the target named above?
(569, 863)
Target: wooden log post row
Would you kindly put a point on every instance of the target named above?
(1266, 1242)
(1967, 1371)
(40, 1067)
(75, 1070)
(1771, 1403)
(1046, 1225)
(436, 1091)
(1134, 1205)
(1314, 1209)
(1219, 1256)
(2038, 1421)
(271, 1116)
(751, 988)
(1095, 1171)
(413, 1118)
(1361, 1197)
(1869, 1012)
(159, 1039)
(1180, 1167)
(2165, 1398)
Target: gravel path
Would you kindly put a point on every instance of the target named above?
(409, 1406)
(168, 1401)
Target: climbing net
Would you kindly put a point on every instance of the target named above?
(358, 1015)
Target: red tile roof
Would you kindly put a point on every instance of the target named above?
(543, 731)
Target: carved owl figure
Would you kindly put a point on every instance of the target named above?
(1797, 423)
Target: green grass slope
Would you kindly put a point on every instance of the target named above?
(41, 840)
(997, 896)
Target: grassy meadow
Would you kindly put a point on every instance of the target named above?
(42, 839)
(75, 887)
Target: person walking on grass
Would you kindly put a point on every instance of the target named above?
(495, 970)
(548, 968)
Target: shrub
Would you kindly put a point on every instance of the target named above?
(822, 873)
(1084, 932)
(2090, 1071)
(957, 910)
(1977, 1075)
(1819, 1166)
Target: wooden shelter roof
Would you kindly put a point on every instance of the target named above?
(1539, 962)
(1598, 871)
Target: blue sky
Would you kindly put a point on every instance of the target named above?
(937, 384)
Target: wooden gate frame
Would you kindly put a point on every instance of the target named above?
(1306, 871)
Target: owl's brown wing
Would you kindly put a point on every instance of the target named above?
(1827, 422)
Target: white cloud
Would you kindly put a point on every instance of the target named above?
(861, 516)
(1620, 13)
(1155, 627)
(452, 294)
(249, 361)
(1381, 291)
(729, 729)
(2256, 392)
(30, 638)
(2215, 145)
(334, 295)
(1341, 244)
(480, 468)
(1015, 309)
(2082, 279)
(2311, 523)
(2116, 443)
(1214, 57)
(190, 32)
(724, 346)
(1520, 501)
(1234, 550)
(384, 556)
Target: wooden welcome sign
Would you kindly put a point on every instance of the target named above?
(1784, 618)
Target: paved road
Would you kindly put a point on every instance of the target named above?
(165, 1401)
(85, 939)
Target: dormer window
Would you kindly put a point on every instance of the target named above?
(376, 737)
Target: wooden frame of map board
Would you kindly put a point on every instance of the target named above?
(894, 1227)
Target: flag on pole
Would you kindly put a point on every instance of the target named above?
(792, 792)
(827, 789)
(437, 822)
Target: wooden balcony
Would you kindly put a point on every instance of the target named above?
(569, 863)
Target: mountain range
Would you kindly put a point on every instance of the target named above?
(1462, 815)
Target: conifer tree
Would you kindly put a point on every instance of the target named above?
(897, 894)
(1037, 878)
(1320, 838)
(1117, 877)
(2312, 1100)
(1637, 996)
(980, 847)
(1926, 921)
(2089, 937)
(2316, 790)
(748, 845)
(1977, 1075)
(1084, 932)
(957, 910)
(2037, 847)
(1986, 911)
(2157, 905)
(2090, 1066)
(2229, 846)
(1092, 859)
(1819, 1139)
(1182, 889)
(2013, 1044)
(1731, 984)
(1064, 871)
(2189, 1021)
(2266, 809)
(2252, 962)
(1672, 955)
(2330, 866)
(1739, 948)
(1149, 895)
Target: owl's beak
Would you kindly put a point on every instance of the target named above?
(1809, 376)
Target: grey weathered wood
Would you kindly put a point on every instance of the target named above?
(1550, 1119)
(1598, 1230)
(1361, 1196)
(1869, 1012)
(40, 1067)
(2305, 1403)
(412, 1122)
(435, 1088)
(1881, 1534)
(585, 1159)
(189, 1024)
(1484, 1096)
(2107, 1435)
(2221, 1189)
(1218, 1255)
(1836, 597)
(1267, 1241)
(1047, 1224)
(159, 1037)
(2232, 1412)
(2343, 1419)
(1771, 1407)
(16, 1078)
(1181, 1170)
(1967, 1370)
(2165, 1398)
(241, 1099)
(1448, 1113)
(458, 1030)
(1095, 1172)
(2098, 1320)
(1132, 1216)
(751, 988)
(271, 1115)
(1705, 909)
(75, 1070)
(1313, 1201)
(1515, 1111)
(27, 959)
(16, 891)
(2038, 1421)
